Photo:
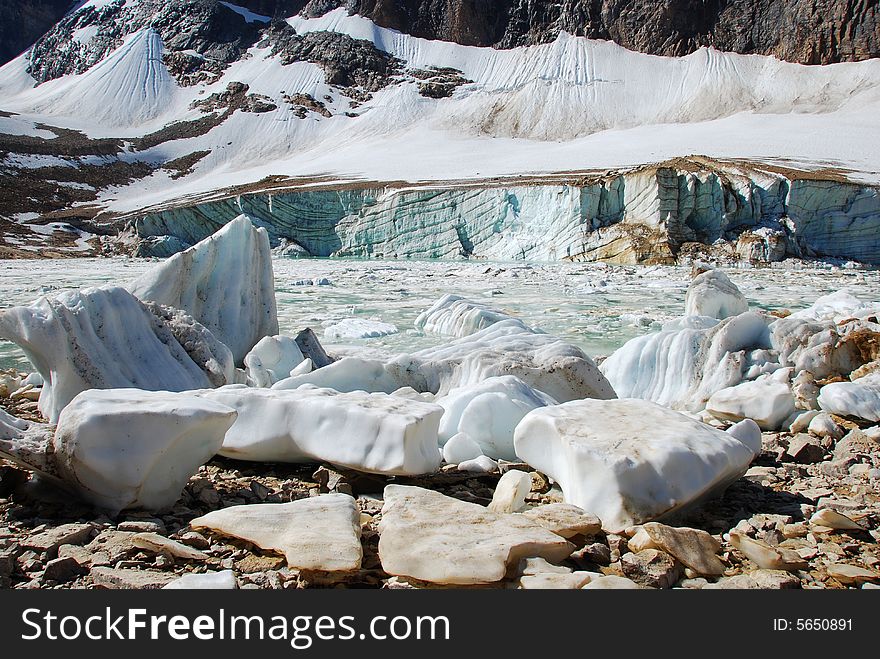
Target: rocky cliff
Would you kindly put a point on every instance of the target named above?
(804, 31)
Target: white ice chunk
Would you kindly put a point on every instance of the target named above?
(713, 294)
(749, 433)
(860, 399)
(106, 338)
(225, 282)
(359, 328)
(482, 464)
(460, 448)
(511, 492)
(546, 363)
(126, 448)
(629, 461)
(375, 433)
(272, 359)
(689, 360)
(488, 413)
(766, 401)
(453, 315)
(223, 580)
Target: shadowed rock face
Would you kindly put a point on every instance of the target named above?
(22, 22)
(805, 31)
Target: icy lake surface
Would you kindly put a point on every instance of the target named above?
(593, 305)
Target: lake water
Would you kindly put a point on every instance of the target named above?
(595, 306)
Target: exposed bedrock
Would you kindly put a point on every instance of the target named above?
(646, 216)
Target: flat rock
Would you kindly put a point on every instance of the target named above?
(757, 580)
(162, 545)
(565, 519)
(629, 461)
(766, 556)
(805, 449)
(852, 574)
(51, 539)
(129, 579)
(549, 581)
(611, 582)
(428, 536)
(319, 533)
(693, 547)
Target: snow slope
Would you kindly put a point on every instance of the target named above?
(574, 104)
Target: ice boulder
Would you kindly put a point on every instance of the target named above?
(225, 282)
(834, 336)
(431, 537)
(488, 413)
(690, 359)
(453, 315)
(105, 338)
(768, 401)
(629, 461)
(860, 398)
(370, 432)
(10, 426)
(271, 360)
(126, 448)
(712, 294)
(546, 363)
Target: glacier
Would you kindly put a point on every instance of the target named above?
(644, 216)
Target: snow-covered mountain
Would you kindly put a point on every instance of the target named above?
(344, 137)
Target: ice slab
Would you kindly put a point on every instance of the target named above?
(629, 461)
(371, 432)
(453, 315)
(860, 398)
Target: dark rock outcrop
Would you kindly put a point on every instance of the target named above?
(805, 31)
(22, 22)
